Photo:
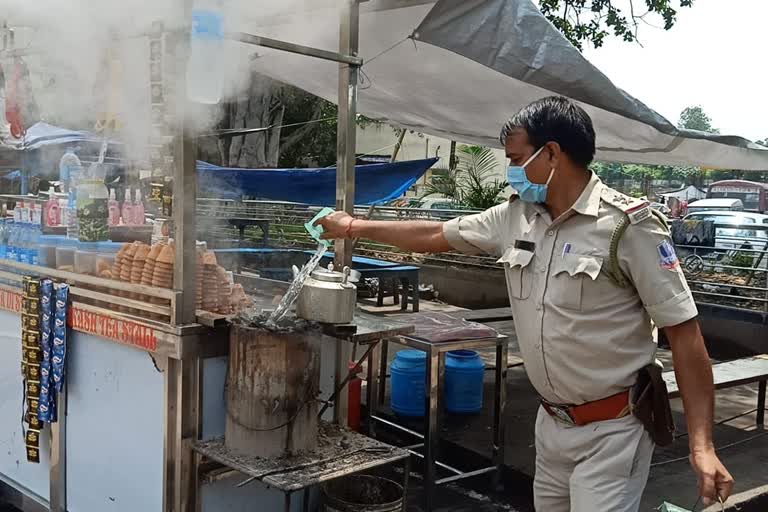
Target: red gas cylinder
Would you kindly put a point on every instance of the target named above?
(355, 391)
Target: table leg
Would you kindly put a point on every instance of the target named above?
(380, 294)
(761, 404)
(372, 391)
(415, 296)
(406, 480)
(383, 361)
(499, 407)
(405, 283)
(430, 435)
(306, 500)
(395, 291)
(288, 502)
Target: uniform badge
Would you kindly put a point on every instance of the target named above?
(667, 255)
(638, 213)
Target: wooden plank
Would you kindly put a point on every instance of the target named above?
(729, 374)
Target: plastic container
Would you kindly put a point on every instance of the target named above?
(85, 258)
(463, 386)
(46, 250)
(408, 372)
(106, 255)
(65, 254)
(93, 206)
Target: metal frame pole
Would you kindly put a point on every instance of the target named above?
(58, 470)
(349, 38)
(184, 193)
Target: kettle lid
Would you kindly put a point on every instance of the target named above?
(331, 276)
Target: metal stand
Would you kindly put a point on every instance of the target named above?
(434, 377)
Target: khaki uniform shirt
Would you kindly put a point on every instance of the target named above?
(582, 337)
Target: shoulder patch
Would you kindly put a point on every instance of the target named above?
(637, 210)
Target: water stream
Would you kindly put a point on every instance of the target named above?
(298, 282)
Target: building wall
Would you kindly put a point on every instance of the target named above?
(379, 140)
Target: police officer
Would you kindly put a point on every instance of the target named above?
(584, 300)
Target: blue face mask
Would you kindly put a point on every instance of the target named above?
(527, 190)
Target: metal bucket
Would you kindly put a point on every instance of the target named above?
(363, 493)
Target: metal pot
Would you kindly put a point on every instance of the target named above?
(328, 297)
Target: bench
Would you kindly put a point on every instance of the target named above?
(731, 374)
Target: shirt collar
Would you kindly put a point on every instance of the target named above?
(588, 202)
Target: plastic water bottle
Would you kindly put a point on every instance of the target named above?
(205, 69)
(73, 227)
(70, 169)
(33, 237)
(3, 239)
(12, 241)
(22, 244)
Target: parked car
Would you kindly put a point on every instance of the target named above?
(719, 204)
(740, 237)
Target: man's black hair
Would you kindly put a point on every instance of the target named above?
(556, 119)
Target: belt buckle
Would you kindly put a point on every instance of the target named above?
(560, 412)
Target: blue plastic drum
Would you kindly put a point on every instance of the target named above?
(464, 371)
(408, 370)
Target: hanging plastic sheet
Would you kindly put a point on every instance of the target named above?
(374, 183)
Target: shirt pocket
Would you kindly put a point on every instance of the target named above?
(517, 268)
(568, 275)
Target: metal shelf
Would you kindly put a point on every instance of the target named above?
(339, 452)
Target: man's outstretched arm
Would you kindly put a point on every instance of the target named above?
(412, 235)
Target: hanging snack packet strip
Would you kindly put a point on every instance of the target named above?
(59, 349)
(32, 357)
(47, 410)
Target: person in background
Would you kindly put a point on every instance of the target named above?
(584, 313)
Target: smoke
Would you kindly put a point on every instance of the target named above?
(88, 57)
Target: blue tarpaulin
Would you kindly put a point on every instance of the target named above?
(374, 184)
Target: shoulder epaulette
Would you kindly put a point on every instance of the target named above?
(636, 210)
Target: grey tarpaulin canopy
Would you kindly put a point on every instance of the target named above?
(459, 68)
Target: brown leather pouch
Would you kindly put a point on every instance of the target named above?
(650, 404)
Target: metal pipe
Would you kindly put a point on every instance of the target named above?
(349, 40)
(462, 476)
(343, 57)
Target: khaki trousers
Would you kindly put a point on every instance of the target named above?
(600, 467)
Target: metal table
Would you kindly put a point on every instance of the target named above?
(366, 330)
(435, 372)
(339, 453)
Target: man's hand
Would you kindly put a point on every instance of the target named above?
(714, 480)
(335, 225)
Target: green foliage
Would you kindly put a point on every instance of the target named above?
(694, 118)
(471, 183)
(591, 21)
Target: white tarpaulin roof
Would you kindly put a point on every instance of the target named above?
(460, 68)
(689, 192)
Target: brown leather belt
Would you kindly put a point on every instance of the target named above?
(611, 408)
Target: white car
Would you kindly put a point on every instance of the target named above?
(741, 237)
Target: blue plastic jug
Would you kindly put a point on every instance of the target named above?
(408, 370)
(463, 387)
